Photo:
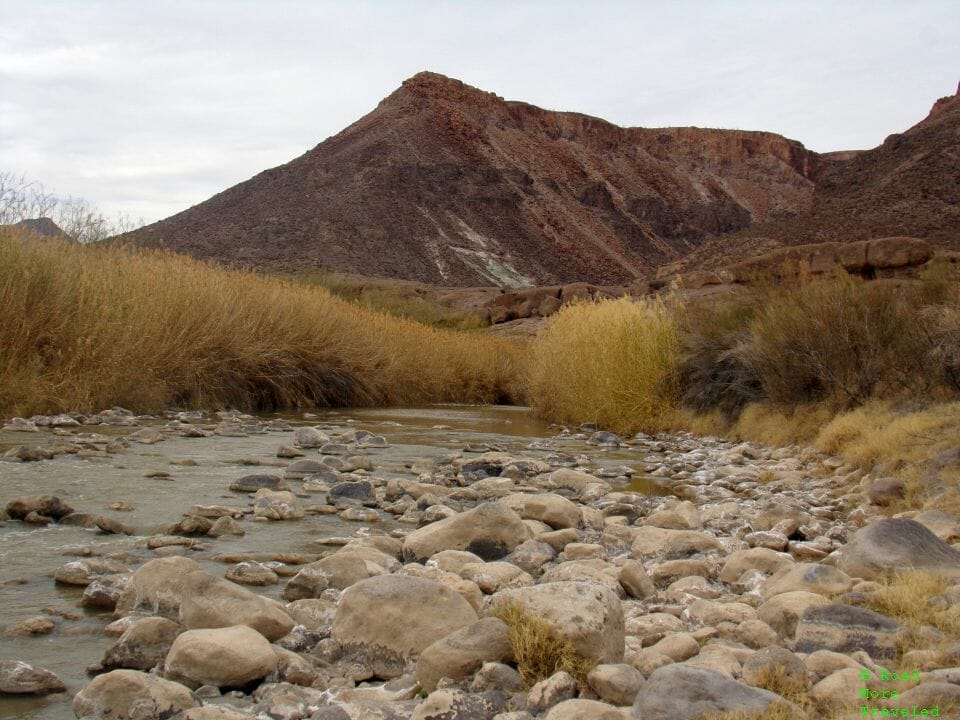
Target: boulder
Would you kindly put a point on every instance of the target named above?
(460, 654)
(668, 544)
(845, 628)
(761, 559)
(251, 572)
(550, 509)
(46, 505)
(893, 544)
(783, 612)
(678, 692)
(277, 505)
(156, 586)
(591, 616)
(143, 645)
(490, 530)
(493, 577)
(776, 662)
(584, 710)
(385, 621)
(258, 481)
(209, 602)
(617, 684)
(339, 571)
(225, 657)
(83, 572)
(20, 678)
(591, 571)
(309, 437)
(548, 692)
(808, 577)
(458, 705)
(131, 695)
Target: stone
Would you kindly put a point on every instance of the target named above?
(458, 705)
(497, 676)
(776, 663)
(554, 510)
(808, 577)
(209, 602)
(635, 581)
(83, 572)
(46, 505)
(225, 657)
(358, 492)
(38, 625)
(590, 571)
(845, 628)
(255, 482)
(313, 613)
(765, 560)
(755, 634)
(547, 693)
(930, 694)
(20, 678)
(678, 692)
(667, 544)
(590, 616)
(838, 689)
(155, 587)
(309, 437)
(708, 612)
(225, 526)
(895, 544)
(143, 645)
(681, 516)
(339, 571)
(782, 612)
(385, 621)
(531, 556)
(460, 654)
(493, 577)
(277, 505)
(677, 646)
(490, 530)
(617, 684)
(131, 695)
(584, 710)
(251, 573)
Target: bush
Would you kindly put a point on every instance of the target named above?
(713, 373)
(611, 362)
(838, 340)
(538, 649)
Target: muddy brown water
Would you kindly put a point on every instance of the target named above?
(29, 556)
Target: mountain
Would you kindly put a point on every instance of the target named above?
(44, 226)
(444, 183)
(908, 186)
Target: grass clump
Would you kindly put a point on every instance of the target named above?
(539, 649)
(611, 362)
(88, 327)
(905, 597)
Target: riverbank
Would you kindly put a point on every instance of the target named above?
(758, 579)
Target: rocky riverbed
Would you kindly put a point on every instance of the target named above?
(357, 565)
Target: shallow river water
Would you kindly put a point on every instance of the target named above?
(30, 555)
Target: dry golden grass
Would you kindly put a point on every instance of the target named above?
(538, 649)
(611, 362)
(88, 327)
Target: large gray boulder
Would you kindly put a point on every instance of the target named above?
(589, 615)
(339, 571)
(155, 587)
(210, 602)
(384, 621)
(845, 628)
(490, 531)
(143, 645)
(679, 692)
(549, 508)
(895, 544)
(224, 657)
(131, 695)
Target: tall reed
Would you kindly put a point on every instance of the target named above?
(86, 327)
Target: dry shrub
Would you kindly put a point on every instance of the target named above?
(780, 426)
(611, 362)
(87, 327)
(838, 340)
(538, 649)
(713, 373)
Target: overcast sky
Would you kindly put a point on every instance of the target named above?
(147, 107)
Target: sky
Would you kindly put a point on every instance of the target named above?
(146, 107)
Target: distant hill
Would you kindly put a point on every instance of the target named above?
(447, 184)
(41, 226)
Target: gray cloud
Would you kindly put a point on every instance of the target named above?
(148, 108)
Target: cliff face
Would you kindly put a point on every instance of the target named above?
(446, 184)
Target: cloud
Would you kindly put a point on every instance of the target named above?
(148, 108)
